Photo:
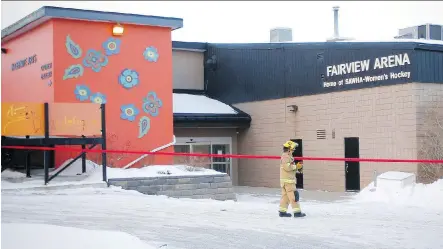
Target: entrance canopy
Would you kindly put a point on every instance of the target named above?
(196, 110)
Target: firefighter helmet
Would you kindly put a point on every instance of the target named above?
(290, 145)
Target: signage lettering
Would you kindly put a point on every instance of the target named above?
(354, 67)
(74, 119)
(23, 63)
(47, 74)
(46, 66)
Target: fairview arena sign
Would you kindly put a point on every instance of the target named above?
(359, 67)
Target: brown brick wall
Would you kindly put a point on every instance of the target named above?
(429, 130)
(384, 118)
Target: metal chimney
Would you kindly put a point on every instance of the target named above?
(335, 9)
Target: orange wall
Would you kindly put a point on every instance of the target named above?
(25, 84)
(152, 76)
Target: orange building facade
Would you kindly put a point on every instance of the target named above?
(60, 55)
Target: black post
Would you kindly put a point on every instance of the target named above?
(46, 153)
(52, 156)
(83, 160)
(28, 163)
(103, 119)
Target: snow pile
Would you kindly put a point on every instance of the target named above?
(152, 171)
(10, 174)
(75, 168)
(189, 103)
(42, 236)
(95, 171)
(418, 195)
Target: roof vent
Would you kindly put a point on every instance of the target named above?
(280, 35)
(336, 36)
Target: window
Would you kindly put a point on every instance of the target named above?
(204, 146)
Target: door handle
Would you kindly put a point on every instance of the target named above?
(346, 168)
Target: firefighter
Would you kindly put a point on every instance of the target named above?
(289, 193)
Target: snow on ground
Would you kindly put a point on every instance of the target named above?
(428, 196)
(10, 174)
(160, 170)
(189, 103)
(94, 174)
(202, 224)
(94, 171)
(56, 237)
(76, 167)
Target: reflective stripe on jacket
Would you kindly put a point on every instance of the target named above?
(288, 169)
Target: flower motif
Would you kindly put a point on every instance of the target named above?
(73, 71)
(151, 104)
(128, 78)
(73, 49)
(129, 112)
(95, 60)
(82, 92)
(151, 54)
(98, 98)
(112, 46)
(143, 126)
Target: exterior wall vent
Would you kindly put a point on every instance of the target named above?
(321, 134)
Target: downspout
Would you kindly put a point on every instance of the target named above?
(154, 150)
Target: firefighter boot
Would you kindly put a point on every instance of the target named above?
(284, 214)
(299, 214)
(297, 210)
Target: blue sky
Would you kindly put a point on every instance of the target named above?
(233, 21)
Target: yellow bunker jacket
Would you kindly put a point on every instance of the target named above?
(288, 169)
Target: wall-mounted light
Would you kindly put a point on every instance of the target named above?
(293, 108)
(118, 29)
(211, 63)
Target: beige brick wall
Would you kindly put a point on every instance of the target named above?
(384, 118)
(202, 132)
(188, 70)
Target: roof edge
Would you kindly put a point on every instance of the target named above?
(189, 91)
(400, 43)
(50, 12)
(239, 114)
(190, 46)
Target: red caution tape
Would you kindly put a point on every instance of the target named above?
(378, 160)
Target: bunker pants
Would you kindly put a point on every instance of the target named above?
(289, 195)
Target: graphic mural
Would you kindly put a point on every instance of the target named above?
(73, 71)
(152, 104)
(95, 60)
(125, 73)
(144, 126)
(151, 54)
(82, 92)
(73, 49)
(111, 46)
(128, 79)
(129, 112)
